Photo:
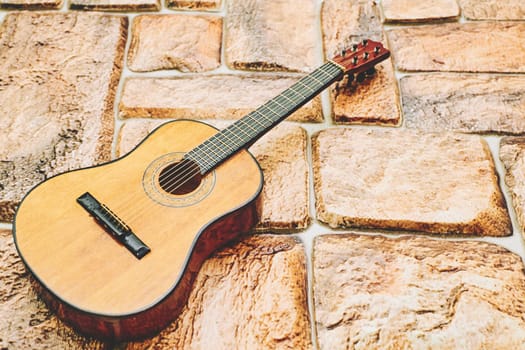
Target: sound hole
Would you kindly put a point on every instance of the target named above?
(181, 177)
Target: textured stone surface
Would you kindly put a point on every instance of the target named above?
(31, 4)
(468, 47)
(419, 11)
(375, 101)
(345, 22)
(284, 202)
(405, 179)
(58, 75)
(208, 97)
(270, 35)
(493, 9)
(204, 5)
(466, 103)
(25, 321)
(249, 296)
(116, 5)
(186, 43)
(512, 155)
(372, 292)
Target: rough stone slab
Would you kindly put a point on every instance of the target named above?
(396, 11)
(345, 22)
(376, 100)
(373, 292)
(271, 35)
(26, 323)
(495, 47)
(512, 155)
(284, 201)
(203, 5)
(249, 296)
(58, 76)
(465, 103)
(186, 43)
(115, 5)
(493, 9)
(31, 4)
(208, 97)
(407, 179)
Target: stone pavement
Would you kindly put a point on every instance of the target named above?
(392, 212)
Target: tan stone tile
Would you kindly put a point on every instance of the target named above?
(345, 22)
(284, 200)
(186, 43)
(512, 155)
(115, 5)
(58, 76)
(493, 9)
(419, 11)
(31, 4)
(376, 100)
(271, 35)
(460, 47)
(26, 322)
(249, 296)
(465, 103)
(373, 101)
(208, 97)
(409, 180)
(373, 292)
(203, 5)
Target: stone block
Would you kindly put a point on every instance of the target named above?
(271, 35)
(208, 97)
(376, 100)
(410, 11)
(492, 47)
(465, 103)
(248, 296)
(408, 180)
(58, 77)
(115, 5)
(374, 292)
(493, 9)
(186, 43)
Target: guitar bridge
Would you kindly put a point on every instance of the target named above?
(113, 225)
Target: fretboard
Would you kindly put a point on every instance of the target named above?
(252, 126)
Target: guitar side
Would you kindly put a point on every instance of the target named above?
(89, 278)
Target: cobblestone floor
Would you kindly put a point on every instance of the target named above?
(392, 212)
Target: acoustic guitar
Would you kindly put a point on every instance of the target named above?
(114, 248)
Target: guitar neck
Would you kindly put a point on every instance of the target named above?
(254, 125)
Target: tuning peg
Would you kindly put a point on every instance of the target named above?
(354, 47)
(377, 49)
(365, 42)
(355, 60)
(343, 53)
(365, 56)
(350, 78)
(371, 72)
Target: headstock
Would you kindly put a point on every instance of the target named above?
(360, 59)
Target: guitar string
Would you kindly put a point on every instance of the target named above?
(185, 170)
(182, 172)
(285, 109)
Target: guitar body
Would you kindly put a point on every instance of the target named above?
(89, 278)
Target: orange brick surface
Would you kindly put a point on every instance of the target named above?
(85, 81)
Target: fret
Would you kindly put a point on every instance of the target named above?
(252, 126)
